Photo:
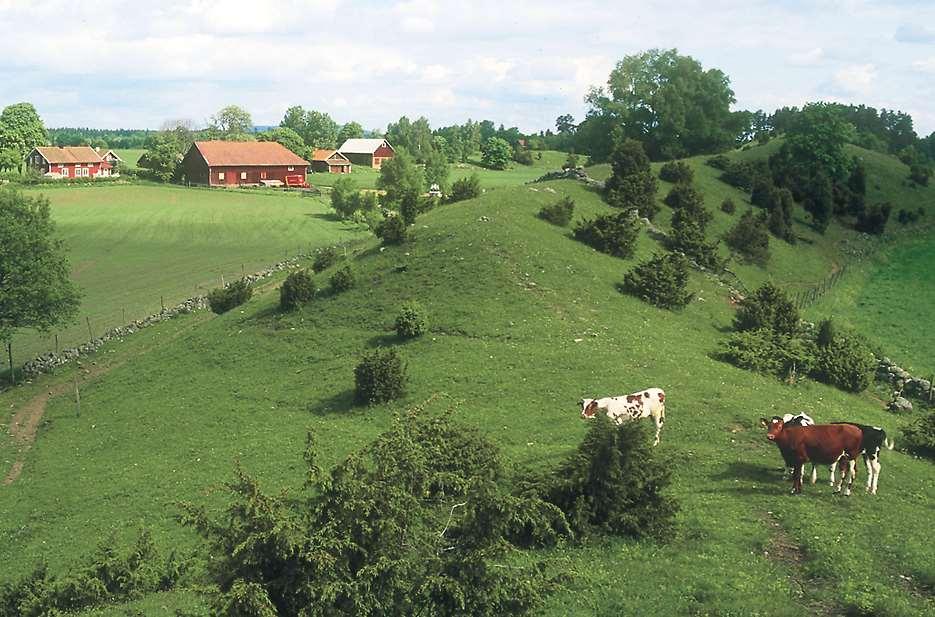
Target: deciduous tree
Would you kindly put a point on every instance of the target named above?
(21, 129)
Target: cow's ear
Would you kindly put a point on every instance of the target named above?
(764, 422)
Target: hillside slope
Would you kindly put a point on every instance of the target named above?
(524, 322)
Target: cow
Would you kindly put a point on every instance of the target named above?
(620, 409)
(873, 441)
(818, 443)
(803, 419)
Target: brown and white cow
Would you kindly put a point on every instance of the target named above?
(620, 409)
(819, 443)
(874, 440)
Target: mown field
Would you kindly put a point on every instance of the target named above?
(130, 156)
(132, 246)
(524, 321)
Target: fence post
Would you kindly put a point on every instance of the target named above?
(90, 334)
(77, 397)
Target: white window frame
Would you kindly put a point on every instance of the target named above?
(243, 175)
(220, 176)
(290, 168)
(63, 172)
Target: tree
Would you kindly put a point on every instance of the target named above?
(689, 223)
(10, 160)
(670, 103)
(21, 129)
(287, 138)
(436, 169)
(162, 157)
(819, 200)
(496, 153)
(661, 281)
(401, 179)
(416, 137)
(344, 196)
(769, 308)
(351, 130)
(565, 124)
(232, 122)
(750, 238)
(632, 183)
(35, 286)
(320, 130)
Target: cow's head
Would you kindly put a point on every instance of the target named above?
(773, 427)
(588, 407)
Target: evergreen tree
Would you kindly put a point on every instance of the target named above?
(632, 183)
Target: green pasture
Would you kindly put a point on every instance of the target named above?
(130, 156)
(132, 247)
(524, 321)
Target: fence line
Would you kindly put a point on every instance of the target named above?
(807, 297)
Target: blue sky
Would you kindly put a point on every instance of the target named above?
(111, 63)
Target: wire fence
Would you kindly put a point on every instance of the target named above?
(807, 297)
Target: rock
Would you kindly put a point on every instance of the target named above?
(900, 405)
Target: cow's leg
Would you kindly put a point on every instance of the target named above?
(875, 463)
(837, 486)
(658, 418)
(851, 472)
(831, 469)
(868, 458)
(797, 478)
(814, 473)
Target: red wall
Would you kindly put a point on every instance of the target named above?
(94, 167)
(383, 152)
(254, 174)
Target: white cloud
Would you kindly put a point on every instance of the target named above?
(808, 57)
(856, 78)
(925, 66)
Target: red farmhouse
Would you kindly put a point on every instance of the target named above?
(68, 162)
(234, 163)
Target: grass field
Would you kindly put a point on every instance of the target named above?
(524, 321)
(130, 246)
(130, 156)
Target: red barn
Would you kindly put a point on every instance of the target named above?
(68, 162)
(237, 163)
(369, 152)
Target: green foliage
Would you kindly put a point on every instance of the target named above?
(613, 483)
(684, 196)
(164, 152)
(287, 138)
(21, 130)
(392, 229)
(742, 174)
(496, 153)
(632, 183)
(317, 128)
(464, 188)
(343, 278)
(873, 219)
(768, 308)
(436, 169)
(920, 174)
(233, 295)
(910, 216)
(415, 137)
(719, 161)
(819, 200)
(676, 107)
(614, 234)
(380, 377)
(232, 122)
(661, 281)
(689, 223)
(571, 162)
(325, 258)
(846, 363)
(413, 523)
(815, 142)
(412, 320)
(676, 171)
(401, 178)
(409, 208)
(920, 435)
(344, 197)
(36, 290)
(825, 334)
(559, 213)
(728, 206)
(296, 290)
(522, 155)
(350, 130)
(110, 577)
(750, 238)
(769, 352)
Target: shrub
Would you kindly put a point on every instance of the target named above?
(765, 351)
(464, 188)
(379, 377)
(718, 161)
(743, 174)
(873, 219)
(908, 216)
(769, 308)
(343, 279)
(325, 258)
(614, 234)
(676, 171)
(684, 195)
(392, 229)
(297, 289)
(570, 163)
(411, 320)
(825, 335)
(661, 281)
(409, 208)
(728, 207)
(559, 213)
(496, 153)
(750, 238)
(614, 483)
(224, 299)
(632, 183)
(522, 155)
(920, 174)
(920, 435)
(846, 363)
(689, 223)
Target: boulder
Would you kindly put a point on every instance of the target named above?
(900, 405)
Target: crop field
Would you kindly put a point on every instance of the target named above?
(523, 322)
(131, 247)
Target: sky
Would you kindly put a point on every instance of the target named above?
(113, 63)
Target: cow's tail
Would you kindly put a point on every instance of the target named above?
(889, 443)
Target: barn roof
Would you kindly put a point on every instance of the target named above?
(69, 154)
(324, 155)
(363, 146)
(247, 153)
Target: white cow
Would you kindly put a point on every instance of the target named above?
(620, 409)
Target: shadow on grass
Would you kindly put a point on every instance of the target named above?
(385, 340)
(767, 479)
(325, 216)
(342, 402)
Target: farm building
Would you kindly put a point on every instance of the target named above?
(68, 162)
(369, 152)
(234, 163)
(111, 157)
(331, 161)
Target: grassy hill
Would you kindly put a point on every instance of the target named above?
(524, 322)
(131, 245)
(130, 156)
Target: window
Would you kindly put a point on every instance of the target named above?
(243, 175)
(262, 175)
(220, 176)
(64, 172)
(290, 168)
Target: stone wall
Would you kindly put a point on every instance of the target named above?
(903, 383)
